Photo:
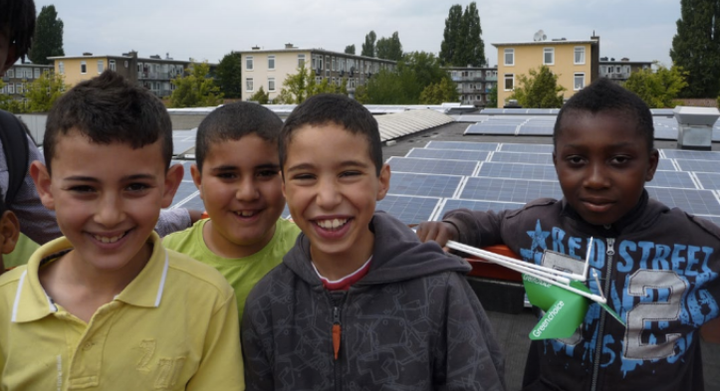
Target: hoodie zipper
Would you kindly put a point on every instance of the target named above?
(601, 327)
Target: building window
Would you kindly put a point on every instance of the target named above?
(249, 63)
(11, 72)
(249, 84)
(61, 67)
(579, 55)
(83, 67)
(579, 81)
(271, 62)
(617, 69)
(126, 63)
(333, 63)
(301, 60)
(37, 73)
(112, 65)
(320, 62)
(101, 65)
(18, 88)
(549, 56)
(271, 84)
(11, 88)
(28, 73)
(509, 82)
(509, 56)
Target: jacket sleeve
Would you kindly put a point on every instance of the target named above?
(476, 228)
(471, 355)
(257, 344)
(221, 367)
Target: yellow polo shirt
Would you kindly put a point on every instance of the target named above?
(174, 327)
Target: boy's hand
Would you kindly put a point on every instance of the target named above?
(437, 231)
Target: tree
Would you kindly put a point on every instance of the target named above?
(228, 75)
(657, 89)
(300, 86)
(368, 48)
(261, 96)
(196, 89)
(462, 43)
(350, 49)
(42, 92)
(539, 89)
(437, 93)
(48, 40)
(414, 73)
(389, 48)
(492, 97)
(696, 47)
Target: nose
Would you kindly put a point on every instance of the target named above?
(597, 177)
(110, 211)
(328, 195)
(246, 190)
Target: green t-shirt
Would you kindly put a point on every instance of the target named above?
(241, 273)
(24, 248)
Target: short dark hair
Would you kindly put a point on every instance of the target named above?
(232, 122)
(605, 95)
(3, 206)
(109, 109)
(19, 15)
(334, 108)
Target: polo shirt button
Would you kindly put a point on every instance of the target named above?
(88, 346)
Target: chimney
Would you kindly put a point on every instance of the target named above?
(256, 47)
(288, 46)
(87, 54)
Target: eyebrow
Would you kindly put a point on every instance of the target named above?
(267, 166)
(133, 177)
(347, 163)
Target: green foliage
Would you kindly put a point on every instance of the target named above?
(302, 85)
(462, 43)
(42, 92)
(261, 96)
(368, 48)
(539, 89)
(414, 73)
(658, 89)
(696, 47)
(48, 39)
(437, 93)
(389, 48)
(492, 97)
(350, 49)
(196, 89)
(228, 75)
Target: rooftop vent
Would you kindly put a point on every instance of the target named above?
(256, 47)
(289, 46)
(87, 54)
(695, 126)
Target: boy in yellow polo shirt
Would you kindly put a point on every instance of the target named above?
(237, 171)
(107, 307)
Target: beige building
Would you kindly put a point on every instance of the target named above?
(154, 73)
(575, 62)
(269, 68)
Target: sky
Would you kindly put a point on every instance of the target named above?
(641, 30)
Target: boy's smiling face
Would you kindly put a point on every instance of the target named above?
(107, 198)
(331, 188)
(241, 188)
(602, 162)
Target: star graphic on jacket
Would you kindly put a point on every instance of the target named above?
(538, 237)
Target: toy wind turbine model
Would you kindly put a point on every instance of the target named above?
(562, 295)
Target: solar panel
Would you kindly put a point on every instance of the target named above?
(675, 179)
(508, 190)
(516, 157)
(714, 219)
(665, 133)
(472, 118)
(429, 185)
(662, 111)
(185, 192)
(702, 202)
(492, 111)
(697, 165)
(535, 130)
(432, 166)
(462, 145)
(491, 128)
(666, 165)
(447, 154)
(183, 140)
(686, 154)
(541, 172)
(409, 210)
(708, 180)
(533, 148)
(452, 204)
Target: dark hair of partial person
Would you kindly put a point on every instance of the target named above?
(109, 109)
(3, 207)
(19, 16)
(604, 95)
(323, 109)
(233, 121)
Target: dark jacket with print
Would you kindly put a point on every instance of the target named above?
(411, 323)
(658, 268)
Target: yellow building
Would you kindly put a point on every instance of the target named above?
(575, 62)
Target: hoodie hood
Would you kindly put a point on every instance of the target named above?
(398, 255)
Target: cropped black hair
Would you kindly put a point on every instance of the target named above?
(109, 109)
(232, 122)
(604, 95)
(3, 206)
(322, 109)
(19, 16)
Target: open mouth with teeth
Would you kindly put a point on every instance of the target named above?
(246, 213)
(332, 224)
(109, 239)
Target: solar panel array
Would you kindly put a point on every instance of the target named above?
(447, 175)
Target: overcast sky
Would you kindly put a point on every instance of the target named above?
(641, 30)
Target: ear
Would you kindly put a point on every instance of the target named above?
(173, 177)
(9, 232)
(43, 183)
(383, 182)
(197, 178)
(653, 164)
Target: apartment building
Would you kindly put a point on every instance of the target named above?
(269, 68)
(473, 83)
(16, 78)
(620, 71)
(154, 72)
(576, 62)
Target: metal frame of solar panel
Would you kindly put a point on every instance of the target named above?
(708, 180)
(491, 128)
(428, 185)
(462, 145)
(447, 154)
(697, 165)
(544, 172)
